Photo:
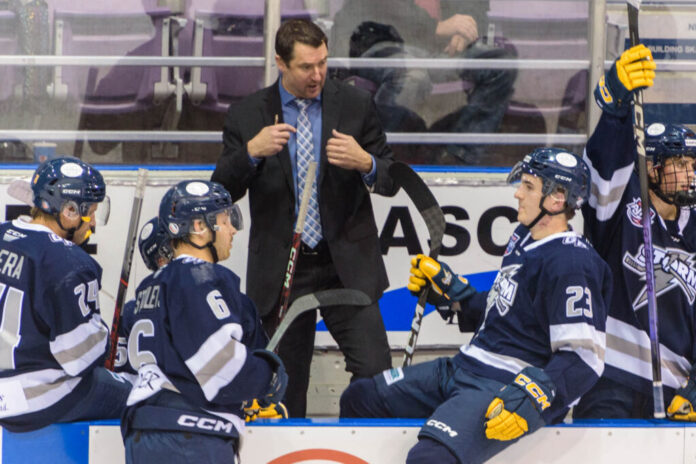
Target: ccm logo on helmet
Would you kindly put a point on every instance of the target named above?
(71, 191)
(204, 423)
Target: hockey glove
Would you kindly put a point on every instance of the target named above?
(279, 380)
(274, 411)
(682, 406)
(633, 70)
(531, 392)
(447, 288)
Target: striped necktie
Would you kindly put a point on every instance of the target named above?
(311, 235)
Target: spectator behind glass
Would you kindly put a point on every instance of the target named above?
(402, 29)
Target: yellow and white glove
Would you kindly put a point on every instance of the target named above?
(525, 398)
(633, 70)
(447, 287)
(682, 406)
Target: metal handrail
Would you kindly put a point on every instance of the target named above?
(430, 138)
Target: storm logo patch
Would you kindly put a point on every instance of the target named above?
(504, 289)
(674, 268)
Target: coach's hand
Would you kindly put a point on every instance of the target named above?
(509, 413)
(344, 151)
(633, 70)
(270, 140)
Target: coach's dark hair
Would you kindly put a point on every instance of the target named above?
(297, 30)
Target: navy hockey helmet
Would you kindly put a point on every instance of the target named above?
(65, 179)
(663, 141)
(195, 199)
(556, 168)
(153, 244)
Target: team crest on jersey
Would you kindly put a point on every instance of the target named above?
(674, 268)
(634, 211)
(504, 289)
(514, 238)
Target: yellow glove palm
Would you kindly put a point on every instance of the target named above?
(681, 409)
(274, 411)
(636, 68)
(502, 424)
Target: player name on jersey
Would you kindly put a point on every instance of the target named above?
(11, 264)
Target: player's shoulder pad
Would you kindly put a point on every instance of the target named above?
(197, 272)
(62, 257)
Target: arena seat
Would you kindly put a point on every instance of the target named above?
(226, 28)
(121, 29)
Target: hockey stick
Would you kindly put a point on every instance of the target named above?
(639, 134)
(434, 219)
(295, 247)
(21, 190)
(126, 267)
(321, 299)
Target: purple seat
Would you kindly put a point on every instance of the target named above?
(8, 46)
(122, 28)
(230, 29)
(542, 29)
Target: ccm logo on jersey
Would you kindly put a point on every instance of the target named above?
(533, 389)
(204, 423)
(442, 426)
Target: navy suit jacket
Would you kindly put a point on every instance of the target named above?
(347, 218)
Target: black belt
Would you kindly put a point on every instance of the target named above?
(321, 248)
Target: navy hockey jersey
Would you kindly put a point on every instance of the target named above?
(52, 334)
(192, 332)
(613, 223)
(546, 308)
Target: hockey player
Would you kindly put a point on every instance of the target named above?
(613, 223)
(196, 340)
(53, 340)
(539, 342)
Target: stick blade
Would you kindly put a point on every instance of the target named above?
(321, 299)
(20, 189)
(421, 196)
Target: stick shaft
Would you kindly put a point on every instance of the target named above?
(427, 206)
(639, 134)
(295, 248)
(126, 266)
